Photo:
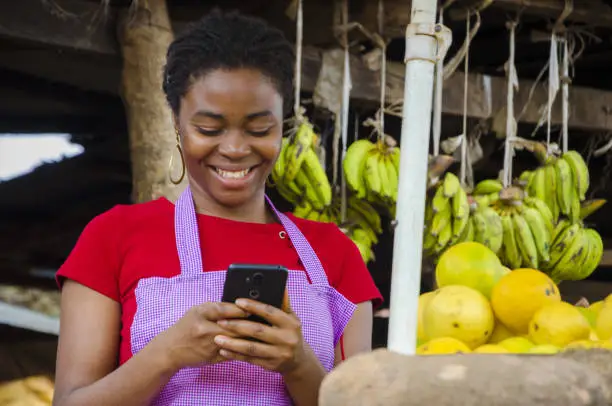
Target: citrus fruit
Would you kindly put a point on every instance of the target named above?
(596, 307)
(521, 293)
(491, 349)
(459, 312)
(423, 300)
(469, 264)
(588, 344)
(443, 345)
(516, 344)
(558, 324)
(544, 349)
(603, 325)
(588, 314)
(500, 333)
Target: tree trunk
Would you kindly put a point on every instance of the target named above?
(145, 34)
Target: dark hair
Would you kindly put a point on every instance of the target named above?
(228, 41)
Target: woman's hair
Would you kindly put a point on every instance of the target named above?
(228, 41)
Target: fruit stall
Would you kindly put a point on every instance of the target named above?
(515, 244)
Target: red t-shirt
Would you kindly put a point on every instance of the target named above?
(131, 242)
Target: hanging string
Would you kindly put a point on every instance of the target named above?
(299, 35)
(383, 70)
(553, 84)
(346, 89)
(510, 122)
(565, 96)
(438, 91)
(466, 68)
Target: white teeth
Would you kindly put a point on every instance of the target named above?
(233, 174)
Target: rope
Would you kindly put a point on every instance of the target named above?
(346, 89)
(553, 84)
(510, 123)
(565, 97)
(438, 93)
(466, 68)
(383, 71)
(298, 61)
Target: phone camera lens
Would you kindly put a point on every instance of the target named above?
(258, 279)
(254, 294)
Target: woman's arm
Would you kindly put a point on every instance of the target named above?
(303, 384)
(357, 335)
(87, 372)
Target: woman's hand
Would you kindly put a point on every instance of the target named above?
(280, 347)
(189, 342)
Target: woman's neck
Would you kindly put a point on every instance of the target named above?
(254, 211)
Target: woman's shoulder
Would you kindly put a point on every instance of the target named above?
(122, 216)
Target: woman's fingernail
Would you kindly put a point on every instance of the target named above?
(223, 323)
(241, 303)
(220, 340)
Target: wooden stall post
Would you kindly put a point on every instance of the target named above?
(145, 34)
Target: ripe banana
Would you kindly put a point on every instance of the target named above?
(580, 172)
(354, 163)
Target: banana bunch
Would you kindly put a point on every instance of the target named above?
(371, 170)
(576, 250)
(515, 226)
(298, 175)
(447, 216)
(363, 224)
(562, 182)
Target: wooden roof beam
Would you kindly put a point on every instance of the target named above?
(590, 12)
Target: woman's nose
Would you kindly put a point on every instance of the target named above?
(234, 145)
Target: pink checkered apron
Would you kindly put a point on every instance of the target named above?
(324, 313)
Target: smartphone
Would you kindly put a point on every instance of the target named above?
(264, 283)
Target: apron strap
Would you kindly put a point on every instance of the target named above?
(309, 258)
(187, 235)
(190, 252)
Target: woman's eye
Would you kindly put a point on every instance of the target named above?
(208, 131)
(259, 133)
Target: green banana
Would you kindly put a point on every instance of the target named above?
(540, 231)
(451, 185)
(544, 211)
(525, 241)
(488, 186)
(580, 172)
(296, 151)
(564, 186)
(495, 233)
(511, 251)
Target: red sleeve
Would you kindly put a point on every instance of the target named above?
(354, 280)
(94, 260)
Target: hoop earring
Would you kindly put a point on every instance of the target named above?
(180, 150)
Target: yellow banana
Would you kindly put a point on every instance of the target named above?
(395, 158)
(393, 177)
(302, 210)
(488, 186)
(450, 185)
(525, 178)
(439, 202)
(544, 210)
(354, 163)
(278, 171)
(537, 186)
(550, 190)
(589, 207)
(440, 220)
(540, 231)
(444, 237)
(368, 212)
(564, 186)
(309, 192)
(371, 174)
(460, 207)
(525, 242)
(494, 236)
(480, 227)
(385, 186)
(580, 172)
(317, 177)
(564, 262)
(297, 149)
(562, 241)
(511, 251)
(595, 253)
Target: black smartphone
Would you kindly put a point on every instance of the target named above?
(264, 283)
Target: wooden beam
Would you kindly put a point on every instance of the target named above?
(591, 12)
(589, 107)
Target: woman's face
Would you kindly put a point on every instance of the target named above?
(231, 127)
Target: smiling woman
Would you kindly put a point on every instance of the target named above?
(148, 278)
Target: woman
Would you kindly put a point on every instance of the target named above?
(142, 322)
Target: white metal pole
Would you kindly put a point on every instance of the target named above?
(421, 51)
